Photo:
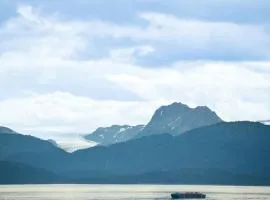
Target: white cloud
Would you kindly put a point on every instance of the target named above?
(27, 12)
(43, 35)
(228, 88)
(130, 54)
(62, 113)
(40, 76)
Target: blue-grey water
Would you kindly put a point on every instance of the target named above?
(122, 192)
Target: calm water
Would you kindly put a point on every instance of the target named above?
(121, 192)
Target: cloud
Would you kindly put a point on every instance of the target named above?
(171, 37)
(237, 11)
(131, 54)
(61, 113)
(184, 39)
(233, 90)
(229, 88)
(54, 84)
(27, 12)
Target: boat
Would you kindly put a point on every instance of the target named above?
(188, 195)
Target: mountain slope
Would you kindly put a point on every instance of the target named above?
(178, 118)
(173, 119)
(184, 177)
(6, 130)
(222, 153)
(18, 173)
(114, 134)
(237, 148)
(11, 144)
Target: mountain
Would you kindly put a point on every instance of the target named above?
(114, 134)
(6, 130)
(178, 118)
(174, 119)
(12, 144)
(240, 149)
(184, 177)
(224, 153)
(53, 142)
(18, 173)
(39, 160)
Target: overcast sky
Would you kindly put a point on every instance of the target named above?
(71, 66)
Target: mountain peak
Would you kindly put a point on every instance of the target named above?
(177, 105)
(177, 118)
(6, 130)
(203, 108)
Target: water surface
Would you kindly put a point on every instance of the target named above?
(124, 192)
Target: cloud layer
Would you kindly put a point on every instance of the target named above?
(64, 75)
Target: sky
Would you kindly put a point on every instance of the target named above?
(68, 67)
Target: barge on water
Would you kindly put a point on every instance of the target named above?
(188, 195)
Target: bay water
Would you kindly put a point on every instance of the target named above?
(124, 192)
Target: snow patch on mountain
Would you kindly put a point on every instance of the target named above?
(114, 134)
(73, 143)
(266, 122)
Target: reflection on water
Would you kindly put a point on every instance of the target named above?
(121, 192)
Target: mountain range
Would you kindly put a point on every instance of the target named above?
(114, 134)
(173, 119)
(229, 153)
